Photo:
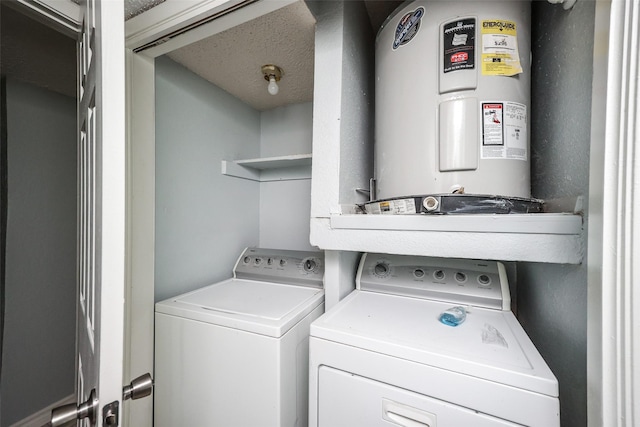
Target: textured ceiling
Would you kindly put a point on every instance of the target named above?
(136, 7)
(232, 59)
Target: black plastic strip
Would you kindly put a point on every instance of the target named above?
(3, 206)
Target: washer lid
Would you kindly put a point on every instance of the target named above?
(489, 344)
(260, 307)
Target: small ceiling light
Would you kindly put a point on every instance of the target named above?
(272, 74)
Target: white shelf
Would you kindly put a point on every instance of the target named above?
(535, 223)
(548, 238)
(281, 168)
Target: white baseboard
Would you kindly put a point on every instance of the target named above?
(43, 416)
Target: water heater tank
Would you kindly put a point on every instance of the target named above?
(453, 99)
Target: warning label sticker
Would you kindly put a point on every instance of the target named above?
(500, 55)
(492, 124)
(459, 45)
(504, 131)
(392, 207)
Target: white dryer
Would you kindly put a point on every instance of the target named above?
(384, 357)
(235, 353)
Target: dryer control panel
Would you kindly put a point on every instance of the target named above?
(459, 281)
(281, 266)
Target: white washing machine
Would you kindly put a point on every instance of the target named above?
(235, 353)
(384, 357)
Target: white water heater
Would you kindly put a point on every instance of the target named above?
(453, 99)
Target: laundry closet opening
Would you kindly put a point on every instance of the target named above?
(233, 162)
(204, 218)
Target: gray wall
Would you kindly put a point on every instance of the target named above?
(285, 206)
(203, 218)
(357, 115)
(552, 299)
(343, 121)
(39, 342)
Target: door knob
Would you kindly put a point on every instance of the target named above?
(140, 387)
(66, 413)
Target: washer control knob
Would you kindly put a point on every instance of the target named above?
(283, 262)
(257, 261)
(418, 273)
(246, 259)
(381, 269)
(309, 265)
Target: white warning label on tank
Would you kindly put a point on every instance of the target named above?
(392, 207)
(492, 124)
(504, 131)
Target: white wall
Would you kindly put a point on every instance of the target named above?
(286, 130)
(39, 343)
(285, 206)
(203, 218)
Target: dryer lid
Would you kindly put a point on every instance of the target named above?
(490, 344)
(260, 307)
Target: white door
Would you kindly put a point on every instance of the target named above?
(101, 215)
(101, 195)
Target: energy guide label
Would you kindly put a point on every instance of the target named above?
(500, 55)
(504, 131)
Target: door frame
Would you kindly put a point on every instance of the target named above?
(609, 366)
(141, 31)
(66, 16)
(62, 16)
(613, 346)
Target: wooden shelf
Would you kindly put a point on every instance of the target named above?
(549, 238)
(281, 168)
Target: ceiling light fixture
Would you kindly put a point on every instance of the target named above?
(272, 74)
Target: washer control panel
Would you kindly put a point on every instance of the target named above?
(460, 281)
(281, 266)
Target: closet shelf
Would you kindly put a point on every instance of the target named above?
(544, 237)
(265, 169)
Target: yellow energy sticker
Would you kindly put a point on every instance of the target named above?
(500, 55)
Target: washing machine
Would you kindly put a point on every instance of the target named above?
(235, 353)
(427, 342)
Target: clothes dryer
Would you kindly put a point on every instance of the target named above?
(235, 353)
(427, 342)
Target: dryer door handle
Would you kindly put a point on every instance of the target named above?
(406, 416)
